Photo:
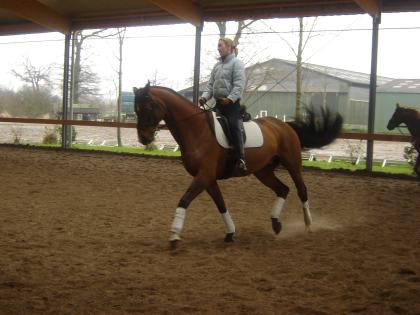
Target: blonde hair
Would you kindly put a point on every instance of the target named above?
(230, 44)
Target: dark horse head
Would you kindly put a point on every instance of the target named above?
(149, 113)
(401, 115)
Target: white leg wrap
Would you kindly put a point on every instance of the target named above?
(307, 214)
(278, 206)
(178, 221)
(230, 226)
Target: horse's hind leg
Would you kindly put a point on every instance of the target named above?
(417, 167)
(217, 197)
(294, 169)
(269, 179)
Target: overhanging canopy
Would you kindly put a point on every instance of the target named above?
(34, 16)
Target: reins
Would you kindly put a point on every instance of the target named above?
(399, 129)
(203, 111)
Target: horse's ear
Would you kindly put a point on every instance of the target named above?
(146, 87)
(398, 105)
(135, 90)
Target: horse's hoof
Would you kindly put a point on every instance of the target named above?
(173, 240)
(308, 229)
(173, 244)
(276, 225)
(229, 237)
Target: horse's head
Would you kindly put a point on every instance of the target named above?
(149, 112)
(397, 118)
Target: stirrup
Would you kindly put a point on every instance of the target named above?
(242, 165)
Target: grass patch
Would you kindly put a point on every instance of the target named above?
(116, 149)
(405, 169)
(126, 150)
(377, 167)
(354, 130)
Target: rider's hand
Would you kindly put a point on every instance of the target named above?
(202, 101)
(225, 101)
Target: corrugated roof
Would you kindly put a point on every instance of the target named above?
(401, 86)
(278, 75)
(345, 75)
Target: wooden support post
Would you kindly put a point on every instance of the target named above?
(196, 84)
(372, 91)
(66, 76)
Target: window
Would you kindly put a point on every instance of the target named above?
(263, 113)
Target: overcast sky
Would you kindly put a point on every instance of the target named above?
(168, 51)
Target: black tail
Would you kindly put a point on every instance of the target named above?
(318, 128)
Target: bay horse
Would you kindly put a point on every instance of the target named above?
(411, 118)
(207, 161)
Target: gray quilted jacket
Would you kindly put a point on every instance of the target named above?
(227, 79)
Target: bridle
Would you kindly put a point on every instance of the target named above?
(203, 109)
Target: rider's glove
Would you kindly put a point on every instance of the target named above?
(225, 101)
(202, 101)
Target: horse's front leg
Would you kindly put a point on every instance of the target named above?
(217, 197)
(198, 184)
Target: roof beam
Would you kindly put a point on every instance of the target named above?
(38, 13)
(109, 21)
(373, 7)
(25, 28)
(184, 9)
(289, 9)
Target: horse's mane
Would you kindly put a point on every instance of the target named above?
(413, 111)
(175, 93)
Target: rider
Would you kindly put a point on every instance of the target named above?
(226, 85)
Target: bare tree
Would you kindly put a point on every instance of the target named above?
(35, 76)
(27, 102)
(222, 28)
(301, 47)
(239, 29)
(121, 35)
(85, 81)
(156, 80)
(299, 69)
(305, 33)
(35, 98)
(298, 52)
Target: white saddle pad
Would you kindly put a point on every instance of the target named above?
(254, 136)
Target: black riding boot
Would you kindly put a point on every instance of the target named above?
(233, 114)
(239, 147)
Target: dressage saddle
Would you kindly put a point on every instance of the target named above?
(245, 116)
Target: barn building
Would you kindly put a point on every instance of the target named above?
(271, 90)
(406, 92)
